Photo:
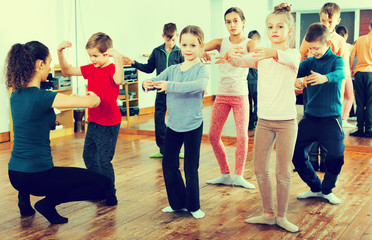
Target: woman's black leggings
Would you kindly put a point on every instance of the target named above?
(62, 184)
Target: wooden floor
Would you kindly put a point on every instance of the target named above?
(141, 194)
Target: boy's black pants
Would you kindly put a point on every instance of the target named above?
(328, 132)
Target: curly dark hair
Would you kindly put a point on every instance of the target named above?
(20, 63)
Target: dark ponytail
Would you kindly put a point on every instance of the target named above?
(20, 63)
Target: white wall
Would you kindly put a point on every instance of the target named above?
(136, 27)
(35, 20)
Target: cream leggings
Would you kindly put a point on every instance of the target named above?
(284, 132)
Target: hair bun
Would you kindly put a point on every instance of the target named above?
(283, 7)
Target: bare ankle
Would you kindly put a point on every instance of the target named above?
(269, 214)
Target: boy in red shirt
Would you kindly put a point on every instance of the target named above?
(104, 79)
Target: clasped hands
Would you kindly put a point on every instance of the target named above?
(237, 52)
(313, 79)
(161, 86)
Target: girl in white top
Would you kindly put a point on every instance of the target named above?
(232, 93)
(277, 72)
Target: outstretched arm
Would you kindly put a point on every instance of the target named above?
(66, 69)
(91, 100)
(251, 45)
(210, 46)
(148, 67)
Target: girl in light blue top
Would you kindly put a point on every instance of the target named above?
(185, 84)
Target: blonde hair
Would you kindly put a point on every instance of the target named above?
(99, 40)
(285, 9)
(194, 30)
(197, 32)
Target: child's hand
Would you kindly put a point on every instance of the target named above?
(127, 60)
(222, 60)
(263, 53)
(205, 57)
(352, 72)
(316, 79)
(63, 45)
(161, 85)
(112, 53)
(235, 52)
(298, 84)
(148, 84)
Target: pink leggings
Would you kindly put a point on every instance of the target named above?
(221, 108)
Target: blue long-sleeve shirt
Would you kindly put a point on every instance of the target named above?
(324, 100)
(185, 93)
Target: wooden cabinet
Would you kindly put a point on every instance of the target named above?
(64, 119)
(129, 95)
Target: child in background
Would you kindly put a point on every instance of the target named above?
(104, 79)
(343, 32)
(161, 58)
(330, 16)
(252, 85)
(323, 74)
(277, 117)
(185, 84)
(363, 83)
(232, 93)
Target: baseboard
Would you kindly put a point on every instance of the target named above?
(148, 110)
(209, 98)
(5, 137)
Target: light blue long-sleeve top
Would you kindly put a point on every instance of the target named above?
(185, 93)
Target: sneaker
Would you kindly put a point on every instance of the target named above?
(368, 134)
(181, 155)
(357, 133)
(111, 200)
(156, 155)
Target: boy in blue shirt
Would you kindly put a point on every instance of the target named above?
(323, 74)
(161, 58)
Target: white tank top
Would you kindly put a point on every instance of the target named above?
(233, 80)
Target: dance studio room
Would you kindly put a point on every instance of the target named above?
(198, 119)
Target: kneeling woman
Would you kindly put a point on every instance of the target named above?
(31, 168)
